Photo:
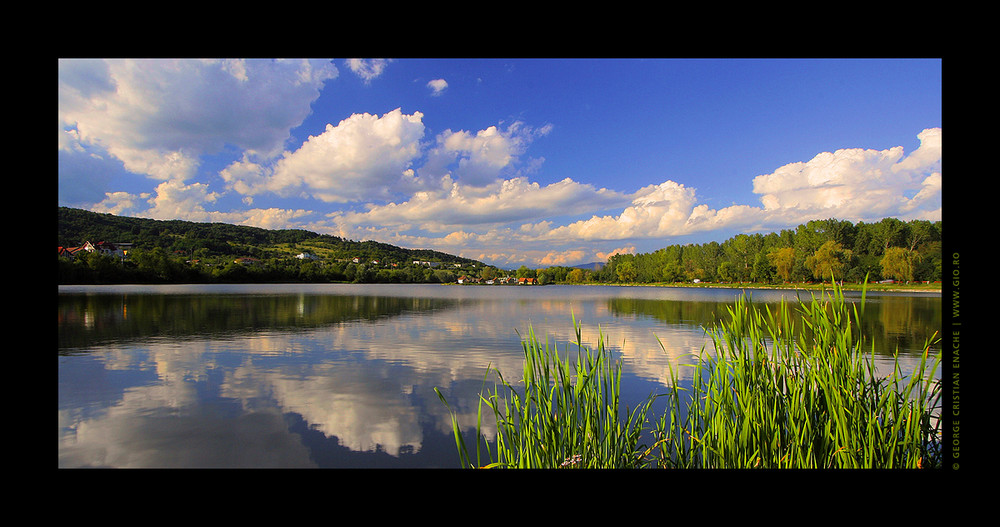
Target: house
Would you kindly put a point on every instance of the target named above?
(108, 248)
(69, 252)
(527, 281)
(306, 256)
(119, 250)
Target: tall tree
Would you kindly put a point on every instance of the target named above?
(726, 272)
(625, 269)
(762, 269)
(899, 263)
(783, 260)
(828, 261)
(890, 232)
(920, 232)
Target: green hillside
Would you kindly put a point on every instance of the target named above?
(178, 250)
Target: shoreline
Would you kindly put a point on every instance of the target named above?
(790, 287)
(882, 288)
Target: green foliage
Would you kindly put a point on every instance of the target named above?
(525, 272)
(815, 250)
(783, 261)
(829, 260)
(899, 263)
(180, 251)
(777, 395)
(625, 269)
(566, 415)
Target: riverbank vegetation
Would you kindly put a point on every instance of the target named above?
(771, 395)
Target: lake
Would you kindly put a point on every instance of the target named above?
(343, 375)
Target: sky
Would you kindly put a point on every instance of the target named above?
(522, 161)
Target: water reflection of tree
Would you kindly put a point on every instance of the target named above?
(88, 319)
(891, 323)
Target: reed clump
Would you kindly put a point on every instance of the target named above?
(774, 394)
(779, 396)
(567, 415)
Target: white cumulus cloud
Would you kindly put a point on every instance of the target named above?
(655, 211)
(855, 183)
(363, 157)
(159, 116)
(368, 69)
(454, 205)
(481, 157)
(852, 184)
(437, 86)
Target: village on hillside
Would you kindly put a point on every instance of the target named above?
(107, 248)
(121, 250)
(505, 280)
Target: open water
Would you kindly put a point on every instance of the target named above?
(343, 376)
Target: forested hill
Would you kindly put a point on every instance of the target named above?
(193, 239)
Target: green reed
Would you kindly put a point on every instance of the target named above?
(775, 394)
(780, 395)
(567, 414)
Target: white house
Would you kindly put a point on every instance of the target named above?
(112, 249)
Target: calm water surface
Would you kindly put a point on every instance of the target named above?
(343, 376)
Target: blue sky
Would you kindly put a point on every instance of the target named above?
(509, 161)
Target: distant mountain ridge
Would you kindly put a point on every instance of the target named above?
(592, 266)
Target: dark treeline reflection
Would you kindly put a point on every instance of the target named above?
(87, 320)
(902, 323)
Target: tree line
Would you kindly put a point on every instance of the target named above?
(819, 250)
